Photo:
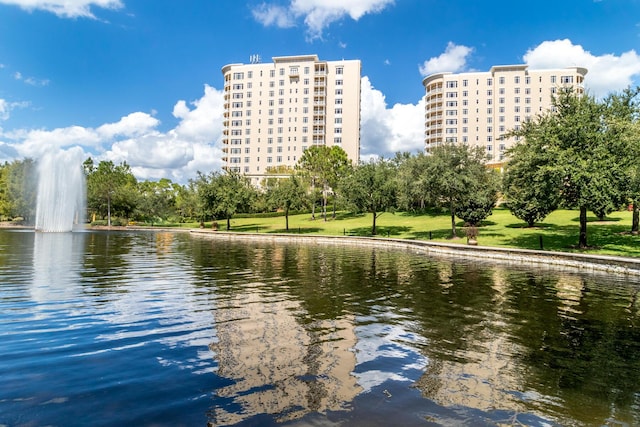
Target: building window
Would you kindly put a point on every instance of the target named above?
(553, 79)
(566, 79)
(527, 80)
(465, 83)
(452, 84)
(337, 140)
(501, 80)
(338, 130)
(489, 82)
(339, 70)
(339, 82)
(238, 76)
(516, 80)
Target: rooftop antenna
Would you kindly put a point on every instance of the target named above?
(254, 59)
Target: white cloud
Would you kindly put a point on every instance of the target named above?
(453, 59)
(65, 8)
(205, 120)
(131, 125)
(274, 15)
(317, 14)
(386, 131)
(607, 72)
(4, 109)
(191, 146)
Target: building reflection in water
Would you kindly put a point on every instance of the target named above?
(483, 376)
(279, 366)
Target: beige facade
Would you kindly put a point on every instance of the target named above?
(479, 108)
(274, 111)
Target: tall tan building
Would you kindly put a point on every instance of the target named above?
(275, 111)
(479, 108)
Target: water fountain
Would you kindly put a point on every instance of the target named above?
(61, 191)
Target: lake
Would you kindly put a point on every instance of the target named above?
(155, 328)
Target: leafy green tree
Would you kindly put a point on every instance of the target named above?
(451, 176)
(222, 195)
(287, 194)
(530, 182)
(186, 203)
(573, 141)
(323, 167)
(110, 188)
(623, 113)
(482, 199)
(413, 185)
(18, 189)
(157, 200)
(372, 188)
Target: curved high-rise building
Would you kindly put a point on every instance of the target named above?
(480, 108)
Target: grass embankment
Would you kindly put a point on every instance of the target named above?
(558, 232)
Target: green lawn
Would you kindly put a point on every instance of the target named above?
(559, 231)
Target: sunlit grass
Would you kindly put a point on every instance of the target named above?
(558, 232)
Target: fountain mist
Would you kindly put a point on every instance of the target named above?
(61, 191)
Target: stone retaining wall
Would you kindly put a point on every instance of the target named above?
(574, 261)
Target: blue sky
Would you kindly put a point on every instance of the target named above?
(139, 81)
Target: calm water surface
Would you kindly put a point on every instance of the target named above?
(164, 329)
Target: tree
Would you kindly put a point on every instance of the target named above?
(222, 195)
(531, 181)
(574, 142)
(323, 167)
(623, 112)
(372, 188)
(186, 203)
(286, 194)
(110, 188)
(413, 184)
(157, 200)
(18, 198)
(452, 175)
(482, 199)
